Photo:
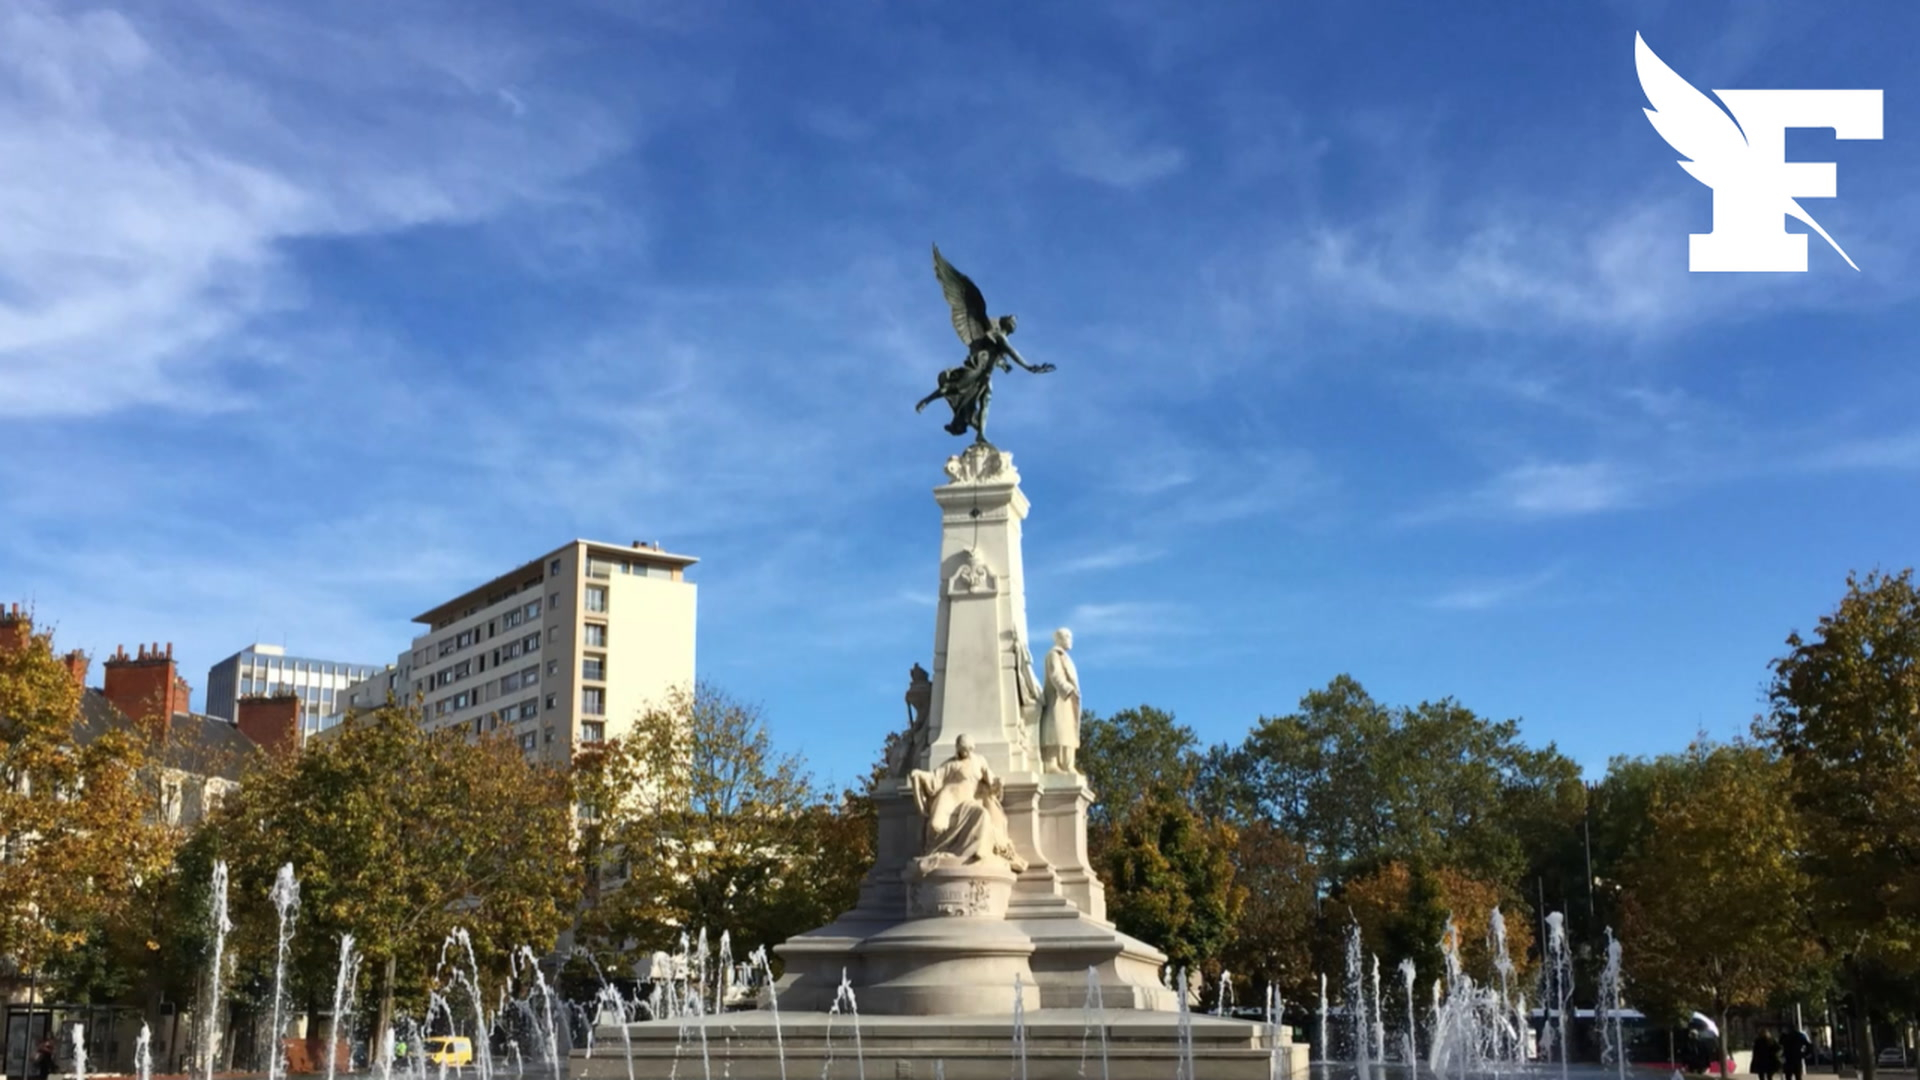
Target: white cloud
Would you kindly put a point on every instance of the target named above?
(148, 191)
(1493, 593)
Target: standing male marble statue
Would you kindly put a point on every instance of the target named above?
(1060, 708)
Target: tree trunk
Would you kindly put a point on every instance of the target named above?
(386, 1013)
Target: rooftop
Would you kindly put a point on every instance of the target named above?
(511, 581)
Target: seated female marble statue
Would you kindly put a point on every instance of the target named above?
(960, 803)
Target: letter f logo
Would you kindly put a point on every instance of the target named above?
(1743, 158)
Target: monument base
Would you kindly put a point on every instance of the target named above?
(1059, 1044)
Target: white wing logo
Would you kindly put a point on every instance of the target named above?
(1698, 127)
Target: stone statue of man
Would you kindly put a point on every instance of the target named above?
(1060, 706)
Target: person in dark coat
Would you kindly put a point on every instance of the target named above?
(1795, 1048)
(43, 1059)
(1766, 1055)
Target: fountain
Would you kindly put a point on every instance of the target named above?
(1608, 1007)
(286, 897)
(1557, 985)
(143, 1053)
(1409, 1045)
(221, 926)
(343, 984)
(1357, 1005)
(981, 878)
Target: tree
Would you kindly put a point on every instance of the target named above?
(1361, 784)
(1273, 937)
(1844, 713)
(1134, 751)
(1171, 872)
(1403, 910)
(1712, 900)
(697, 823)
(78, 829)
(399, 836)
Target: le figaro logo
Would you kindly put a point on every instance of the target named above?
(1741, 153)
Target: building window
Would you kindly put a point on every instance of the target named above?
(553, 701)
(597, 635)
(549, 734)
(533, 610)
(531, 676)
(593, 731)
(596, 598)
(553, 602)
(531, 643)
(529, 742)
(593, 700)
(553, 568)
(593, 667)
(529, 708)
(553, 668)
(599, 568)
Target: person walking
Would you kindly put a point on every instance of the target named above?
(43, 1059)
(1766, 1055)
(1795, 1047)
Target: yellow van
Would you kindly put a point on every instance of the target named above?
(449, 1050)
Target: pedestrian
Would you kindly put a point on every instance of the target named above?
(43, 1059)
(1766, 1055)
(1795, 1047)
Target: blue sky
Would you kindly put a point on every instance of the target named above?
(1377, 348)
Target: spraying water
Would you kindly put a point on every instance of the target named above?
(723, 974)
(759, 956)
(385, 1051)
(1559, 979)
(482, 1029)
(1379, 1017)
(1095, 1012)
(79, 1033)
(1608, 1007)
(1275, 1011)
(1357, 1004)
(1185, 1069)
(1019, 1048)
(286, 899)
(143, 1053)
(1326, 1052)
(1410, 1049)
(552, 1047)
(221, 926)
(343, 983)
(1224, 1000)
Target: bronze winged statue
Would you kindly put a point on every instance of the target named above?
(968, 388)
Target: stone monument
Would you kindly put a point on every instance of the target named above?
(981, 904)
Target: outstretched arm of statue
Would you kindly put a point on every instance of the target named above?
(1037, 369)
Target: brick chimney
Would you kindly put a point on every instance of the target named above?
(76, 663)
(147, 687)
(273, 722)
(16, 630)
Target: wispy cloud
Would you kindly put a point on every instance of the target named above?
(1492, 593)
(148, 193)
(1108, 558)
(1539, 490)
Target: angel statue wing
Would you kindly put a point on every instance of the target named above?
(1698, 127)
(963, 296)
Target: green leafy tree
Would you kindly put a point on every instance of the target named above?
(696, 822)
(1131, 753)
(1712, 900)
(1272, 940)
(399, 836)
(1361, 784)
(1844, 713)
(78, 821)
(1172, 879)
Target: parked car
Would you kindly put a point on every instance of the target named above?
(1892, 1055)
(449, 1050)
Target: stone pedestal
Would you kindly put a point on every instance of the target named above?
(901, 952)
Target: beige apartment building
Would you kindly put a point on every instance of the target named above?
(567, 648)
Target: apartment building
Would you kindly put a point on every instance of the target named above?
(267, 671)
(565, 649)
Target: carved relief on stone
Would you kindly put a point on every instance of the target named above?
(982, 463)
(973, 578)
(971, 898)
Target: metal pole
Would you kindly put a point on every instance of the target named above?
(1586, 826)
